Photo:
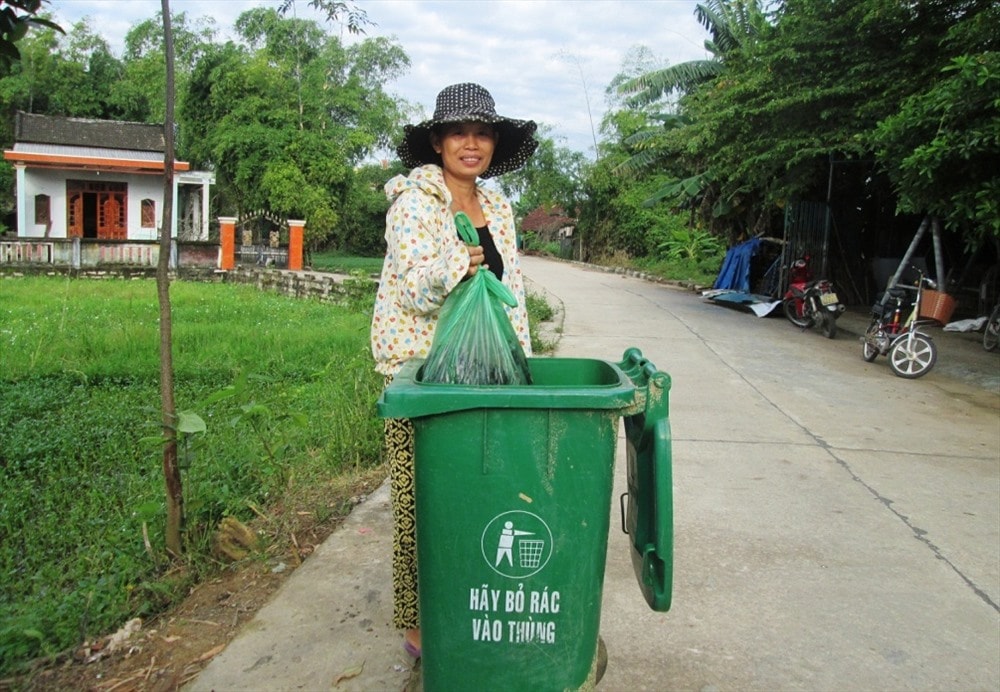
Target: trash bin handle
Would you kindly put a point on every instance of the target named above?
(635, 365)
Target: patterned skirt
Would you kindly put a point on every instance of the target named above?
(399, 452)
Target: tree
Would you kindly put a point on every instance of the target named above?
(941, 147)
(362, 225)
(336, 11)
(140, 93)
(731, 23)
(808, 85)
(551, 177)
(664, 141)
(285, 120)
(171, 468)
(16, 17)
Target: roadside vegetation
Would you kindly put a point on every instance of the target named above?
(286, 388)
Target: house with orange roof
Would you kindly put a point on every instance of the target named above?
(101, 180)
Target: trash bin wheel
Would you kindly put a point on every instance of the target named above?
(602, 660)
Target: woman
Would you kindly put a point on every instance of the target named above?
(425, 259)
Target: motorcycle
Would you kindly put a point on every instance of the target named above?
(809, 303)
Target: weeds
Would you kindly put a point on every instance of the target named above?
(539, 311)
(285, 389)
(275, 397)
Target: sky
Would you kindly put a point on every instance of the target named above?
(543, 60)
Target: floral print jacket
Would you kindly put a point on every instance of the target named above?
(425, 260)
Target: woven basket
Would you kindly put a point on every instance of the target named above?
(937, 306)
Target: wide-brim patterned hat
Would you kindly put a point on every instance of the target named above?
(460, 103)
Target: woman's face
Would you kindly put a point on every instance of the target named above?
(466, 149)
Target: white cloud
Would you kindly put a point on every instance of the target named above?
(541, 59)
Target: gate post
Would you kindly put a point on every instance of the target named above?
(227, 242)
(295, 232)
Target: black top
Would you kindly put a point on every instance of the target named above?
(492, 255)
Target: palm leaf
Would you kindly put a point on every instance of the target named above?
(650, 87)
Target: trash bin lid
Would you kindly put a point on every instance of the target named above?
(558, 383)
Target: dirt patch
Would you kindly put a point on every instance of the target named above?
(170, 650)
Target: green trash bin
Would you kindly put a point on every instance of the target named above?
(513, 502)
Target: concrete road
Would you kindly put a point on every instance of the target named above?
(837, 527)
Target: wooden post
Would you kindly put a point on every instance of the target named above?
(295, 232)
(227, 242)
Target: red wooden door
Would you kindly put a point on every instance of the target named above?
(74, 224)
(111, 215)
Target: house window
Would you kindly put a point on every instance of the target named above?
(148, 213)
(43, 210)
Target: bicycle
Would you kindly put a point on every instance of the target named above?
(911, 352)
(991, 330)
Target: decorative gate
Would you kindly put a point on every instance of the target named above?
(262, 239)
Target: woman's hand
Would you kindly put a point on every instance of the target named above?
(476, 258)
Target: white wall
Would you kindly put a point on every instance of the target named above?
(142, 187)
(43, 181)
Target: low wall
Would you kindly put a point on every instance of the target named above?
(88, 253)
(329, 288)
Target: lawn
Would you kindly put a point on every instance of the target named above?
(328, 261)
(286, 388)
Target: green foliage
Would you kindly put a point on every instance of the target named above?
(701, 272)
(285, 120)
(531, 242)
(272, 391)
(361, 230)
(943, 145)
(806, 82)
(139, 93)
(71, 75)
(689, 244)
(550, 178)
(345, 13)
(539, 311)
(16, 17)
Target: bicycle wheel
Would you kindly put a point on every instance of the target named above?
(793, 309)
(912, 357)
(991, 333)
(868, 350)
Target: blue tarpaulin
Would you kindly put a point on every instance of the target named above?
(735, 271)
(732, 284)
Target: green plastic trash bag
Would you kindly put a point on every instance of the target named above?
(474, 342)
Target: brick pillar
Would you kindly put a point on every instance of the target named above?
(227, 242)
(296, 230)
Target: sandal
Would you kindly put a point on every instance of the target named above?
(412, 649)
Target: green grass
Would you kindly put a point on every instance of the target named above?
(538, 311)
(79, 399)
(345, 264)
(286, 388)
(702, 272)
